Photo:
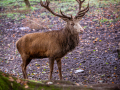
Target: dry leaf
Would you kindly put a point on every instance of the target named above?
(18, 80)
(10, 78)
(49, 83)
(105, 50)
(38, 67)
(85, 85)
(4, 74)
(77, 84)
(25, 83)
(96, 39)
(26, 86)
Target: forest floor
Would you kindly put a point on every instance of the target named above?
(96, 55)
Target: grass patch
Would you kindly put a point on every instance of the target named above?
(6, 3)
(85, 27)
(104, 20)
(10, 15)
(34, 8)
(15, 16)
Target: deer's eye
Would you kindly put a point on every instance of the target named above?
(72, 24)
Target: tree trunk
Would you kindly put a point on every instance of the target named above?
(27, 3)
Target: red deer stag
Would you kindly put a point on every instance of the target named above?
(52, 44)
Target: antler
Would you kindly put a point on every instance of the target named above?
(81, 13)
(46, 5)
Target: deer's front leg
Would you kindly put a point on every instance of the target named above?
(51, 64)
(59, 68)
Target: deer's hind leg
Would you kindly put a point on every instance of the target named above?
(26, 60)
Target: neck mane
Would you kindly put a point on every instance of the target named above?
(69, 39)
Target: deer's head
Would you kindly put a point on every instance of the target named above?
(72, 22)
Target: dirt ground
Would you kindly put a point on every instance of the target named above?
(96, 53)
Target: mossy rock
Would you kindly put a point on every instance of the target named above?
(7, 82)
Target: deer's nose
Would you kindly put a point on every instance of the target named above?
(81, 30)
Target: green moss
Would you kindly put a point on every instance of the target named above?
(6, 84)
(36, 81)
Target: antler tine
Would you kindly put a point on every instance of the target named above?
(65, 15)
(80, 3)
(81, 13)
(46, 5)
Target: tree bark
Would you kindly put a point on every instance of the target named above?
(27, 3)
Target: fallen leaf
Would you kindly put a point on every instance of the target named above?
(4, 74)
(85, 85)
(38, 67)
(13, 35)
(43, 72)
(70, 72)
(79, 70)
(26, 86)
(112, 82)
(94, 50)
(106, 62)
(49, 83)
(105, 50)
(96, 40)
(75, 58)
(18, 80)
(10, 78)
(77, 84)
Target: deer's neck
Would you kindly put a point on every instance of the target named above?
(70, 39)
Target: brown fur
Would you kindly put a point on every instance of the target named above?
(51, 44)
